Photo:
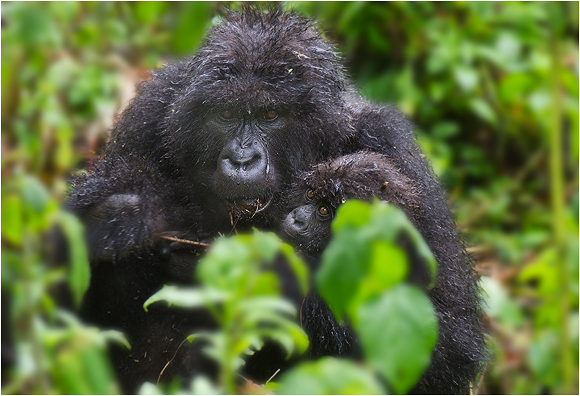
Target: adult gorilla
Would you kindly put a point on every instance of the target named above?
(210, 144)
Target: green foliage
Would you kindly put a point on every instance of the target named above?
(395, 322)
(361, 276)
(398, 331)
(330, 376)
(353, 267)
(239, 288)
(489, 85)
(478, 79)
(79, 272)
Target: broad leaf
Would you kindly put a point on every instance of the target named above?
(398, 331)
(329, 376)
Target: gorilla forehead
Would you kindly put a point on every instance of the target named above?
(266, 58)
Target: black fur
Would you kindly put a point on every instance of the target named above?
(192, 155)
(362, 175)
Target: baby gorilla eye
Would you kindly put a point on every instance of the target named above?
(269, 115)
(226, 114)
(309, 194)
(323, 210)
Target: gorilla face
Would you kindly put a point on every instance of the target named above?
(244, 154)
(245, 173)
(255, 112)
(308, 225)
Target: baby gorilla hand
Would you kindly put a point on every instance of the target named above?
(120, 226)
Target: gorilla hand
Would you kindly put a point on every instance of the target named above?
(120, 226)
(180, 256)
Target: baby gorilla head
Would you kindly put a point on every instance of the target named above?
(317, 194)
(308, 225)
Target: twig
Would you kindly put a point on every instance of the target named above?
(169, 362)
(257, 208)
(233, 224)
(187, 241)
(273, 375)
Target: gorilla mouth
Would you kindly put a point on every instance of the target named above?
(251, 207)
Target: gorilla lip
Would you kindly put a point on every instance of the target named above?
(253, 206)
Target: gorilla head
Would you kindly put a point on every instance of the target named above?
(317, 194)
(260, 96)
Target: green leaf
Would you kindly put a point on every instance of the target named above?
(362, 259)
(85, 370)
(213, 337)
(201, 385)
(266, 284)
(329, 376)
(543, 358)
(266, 244)
(298, 267)
(116, 336)
(389, 266)
(149, 11)
(147, 388)
(397, 332)
(34, 194)
(483, 110)
(445, 130)
(544, 270)
(268, 320)
(344, 266)
(498, 304)
(187, 297)
(192, 22)
(354, 213)
(466, 78)
(98, 371)
(261, 304)
(80, 272)
(281, 337)
(12, 219)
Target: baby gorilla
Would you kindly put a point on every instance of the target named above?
(313, 202)
(362, 175)
(318, 194)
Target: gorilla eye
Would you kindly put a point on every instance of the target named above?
(310, 194)
(323, 210)
(226, 114)
(270, 115)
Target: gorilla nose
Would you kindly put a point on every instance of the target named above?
(298, 219)
(244, 163)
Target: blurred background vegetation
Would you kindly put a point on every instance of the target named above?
(491, 87)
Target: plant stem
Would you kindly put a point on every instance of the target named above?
(228, 375)
(558, 204)
(29, 247)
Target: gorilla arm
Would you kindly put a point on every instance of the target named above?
(460, 350)
(116, 197)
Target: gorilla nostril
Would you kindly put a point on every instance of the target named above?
(248, 163)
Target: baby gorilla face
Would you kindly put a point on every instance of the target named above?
(308, 225)
(315, 196)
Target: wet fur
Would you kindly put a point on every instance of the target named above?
(160, 151)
